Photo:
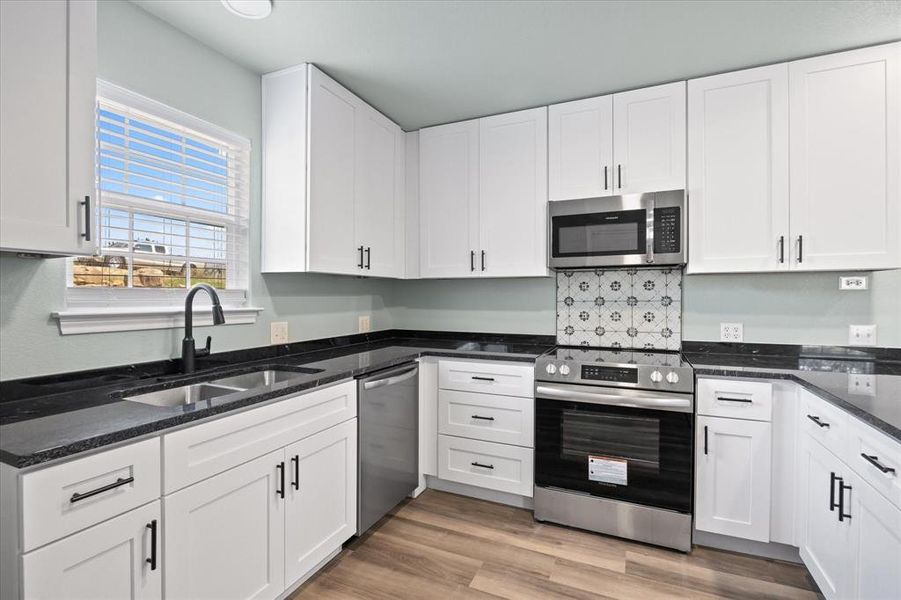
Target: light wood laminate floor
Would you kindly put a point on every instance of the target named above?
(442, 545)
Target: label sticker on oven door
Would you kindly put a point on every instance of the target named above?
(606, 469)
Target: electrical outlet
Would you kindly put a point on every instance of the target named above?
(857, 282)
(731, 332)
(278, 332)
(862, 335)
(862, 385)
(364, 324)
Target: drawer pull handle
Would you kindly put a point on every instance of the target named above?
(874, 460)
(280, 491)
(152, 560)
(841, 499)
(481, 418)
(742, 400)
(76, 497)
(477, 378)
(295, 460)
(478, 464)
(816, 420)
(832, 480)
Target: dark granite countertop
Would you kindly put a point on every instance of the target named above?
(867, 385)
(46, 418)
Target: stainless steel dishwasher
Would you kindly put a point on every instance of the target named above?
(388, 442)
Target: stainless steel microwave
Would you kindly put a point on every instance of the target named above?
(635, 229)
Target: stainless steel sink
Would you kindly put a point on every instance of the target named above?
(188, 394)
(198, 392)
(262, 378)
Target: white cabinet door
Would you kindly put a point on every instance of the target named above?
(449, 199)
(580, 149)
(321, 512)
(877, 537)
(378, 194)
(513, 194)
(826, 542)
(330, 205)
(224, 537)
(107, 561)
(844, 155)
(732, 478)
(649, 139)
(48, 70)
(738, 171)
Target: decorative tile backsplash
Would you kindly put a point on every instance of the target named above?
(620, 308)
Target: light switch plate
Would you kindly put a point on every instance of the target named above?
(278, 332)
(862, 335)
(364, 324)
(731, 332)
(856, 282)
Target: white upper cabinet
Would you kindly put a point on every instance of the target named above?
(513, 194)
(333, 123)
(449, 199)
(625, 143)
(333, 179)
(580, 149)
(649, 139)
(48, 71)
(844, 154)
(379, 194)
(738, 171)
(483, 197)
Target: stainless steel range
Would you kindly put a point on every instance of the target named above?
(613, 443)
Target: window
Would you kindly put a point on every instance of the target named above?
(173, 204)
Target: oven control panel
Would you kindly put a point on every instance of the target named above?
(613, 374)
(668, 374)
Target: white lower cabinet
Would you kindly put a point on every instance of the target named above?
(850, 533)
(224, 537)
(254, 530)
(321, 501)
(732, 477)
(114, 560)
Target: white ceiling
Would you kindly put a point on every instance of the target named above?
(429, 62)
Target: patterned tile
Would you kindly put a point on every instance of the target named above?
(620, 308)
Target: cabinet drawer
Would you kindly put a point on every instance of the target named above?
(504, 419)
(488, 377)
(66, 498)
(824, 422)
(202, 451)
(735, 399)
(485, 464)
(876, 458)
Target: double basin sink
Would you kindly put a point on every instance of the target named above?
(222, 386)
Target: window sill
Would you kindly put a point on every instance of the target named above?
(137, 318)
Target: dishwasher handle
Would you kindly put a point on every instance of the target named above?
(392, 379)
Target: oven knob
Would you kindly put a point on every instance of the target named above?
(564, 370)
(672, 377)
(551, 369)
(656, 376)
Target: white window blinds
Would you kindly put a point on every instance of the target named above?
(173, 199)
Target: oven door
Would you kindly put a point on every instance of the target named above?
(615, 445)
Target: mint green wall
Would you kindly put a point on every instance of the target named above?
(144, 54)
(140, 52)
(786, 308)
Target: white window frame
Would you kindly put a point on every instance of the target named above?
(95, 309)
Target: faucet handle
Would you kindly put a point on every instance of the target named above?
(206, 350)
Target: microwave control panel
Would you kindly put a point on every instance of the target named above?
(667, 230)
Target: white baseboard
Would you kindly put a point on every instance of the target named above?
(472, 491)
(309, 574)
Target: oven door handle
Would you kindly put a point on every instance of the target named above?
(626, 398)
